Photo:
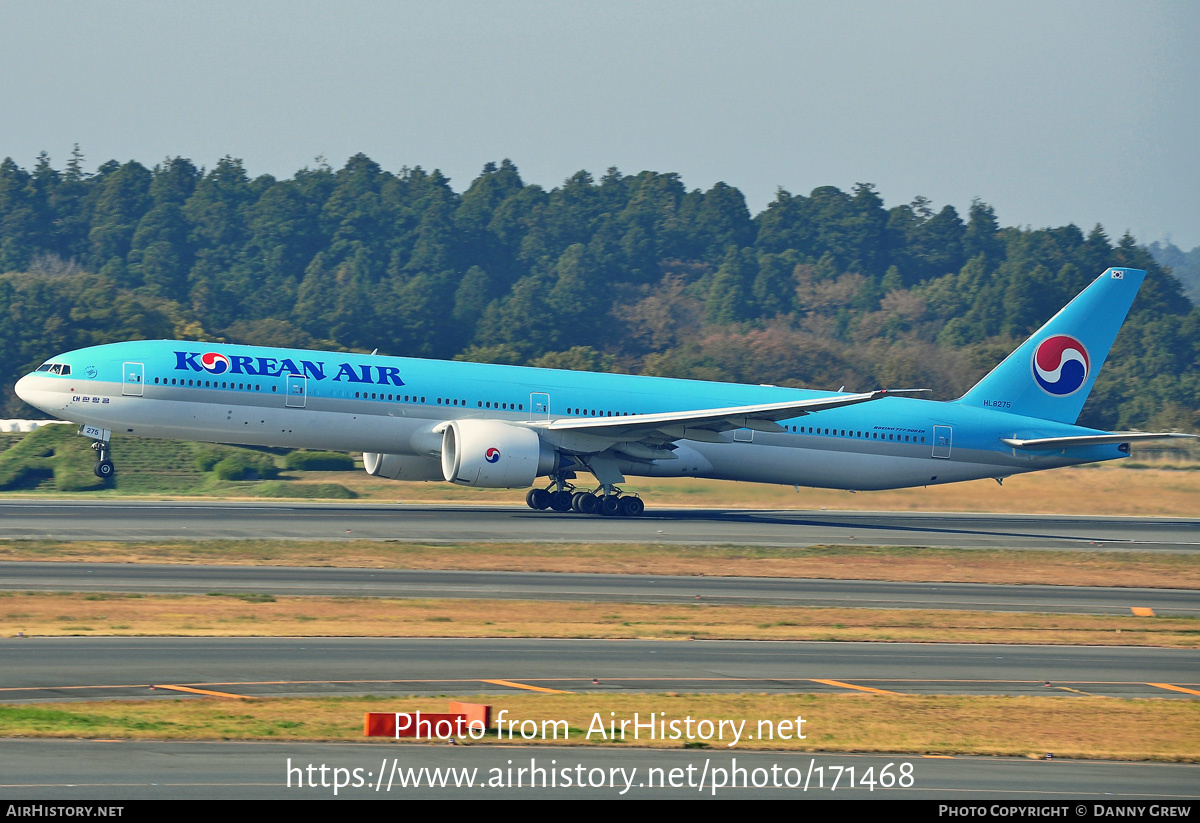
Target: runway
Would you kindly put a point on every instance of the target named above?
(74, 668)
(71, 668)
(125, 520)
(187, 770)
(625, 588)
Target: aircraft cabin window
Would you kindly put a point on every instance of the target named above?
(520, 406)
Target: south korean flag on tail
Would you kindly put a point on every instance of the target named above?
(1118, 274)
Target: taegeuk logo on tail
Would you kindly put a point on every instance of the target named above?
(1060, 365)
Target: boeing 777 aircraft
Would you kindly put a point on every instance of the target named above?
(506, 426)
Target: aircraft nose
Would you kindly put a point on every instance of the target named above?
(27, 389)
(24, 389)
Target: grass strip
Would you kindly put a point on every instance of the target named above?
(898, 563)
(253, 615)
(1075, 727)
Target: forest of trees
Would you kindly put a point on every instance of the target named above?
(628, 273)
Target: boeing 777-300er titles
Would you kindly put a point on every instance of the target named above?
(505, 426)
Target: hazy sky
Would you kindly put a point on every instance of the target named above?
(1053, 112)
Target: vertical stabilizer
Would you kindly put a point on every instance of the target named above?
(1051, 374)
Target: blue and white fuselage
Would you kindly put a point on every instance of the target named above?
(503, 426)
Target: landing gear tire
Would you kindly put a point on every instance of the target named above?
(588, 503)
(104, 469)
(537, 499)
(609, 505)
(560, 501)
(632, 506)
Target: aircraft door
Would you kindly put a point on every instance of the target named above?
(943, 439)
(132, 379)
(297, 391)
(539, 406)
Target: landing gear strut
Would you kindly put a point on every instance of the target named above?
(104, 468)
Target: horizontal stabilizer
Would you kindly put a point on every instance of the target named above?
(1090, 439)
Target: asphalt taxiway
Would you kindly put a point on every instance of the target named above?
(64, 668)
(186, 770)
(141, 520)
(627, 588)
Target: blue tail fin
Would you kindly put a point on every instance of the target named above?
(1050, 375)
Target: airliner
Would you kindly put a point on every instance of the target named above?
(506, 426)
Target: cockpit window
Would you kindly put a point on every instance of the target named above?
(45, 367)
(65, 370)
(55, 368)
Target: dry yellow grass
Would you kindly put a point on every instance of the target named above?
(1064, 568)
(241, 616)
(1165, 730)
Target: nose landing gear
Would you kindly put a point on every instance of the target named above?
(104, 468)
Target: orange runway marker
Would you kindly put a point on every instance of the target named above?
(842, 685)
(524, 686)
(190, 690)
(1169, 687)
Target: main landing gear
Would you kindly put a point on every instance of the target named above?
(104, 468)
(560, 496)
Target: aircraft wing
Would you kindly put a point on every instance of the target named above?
(705, 424)
(1089, 439)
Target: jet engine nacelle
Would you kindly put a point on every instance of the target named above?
(401, 467)
(493, 454)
